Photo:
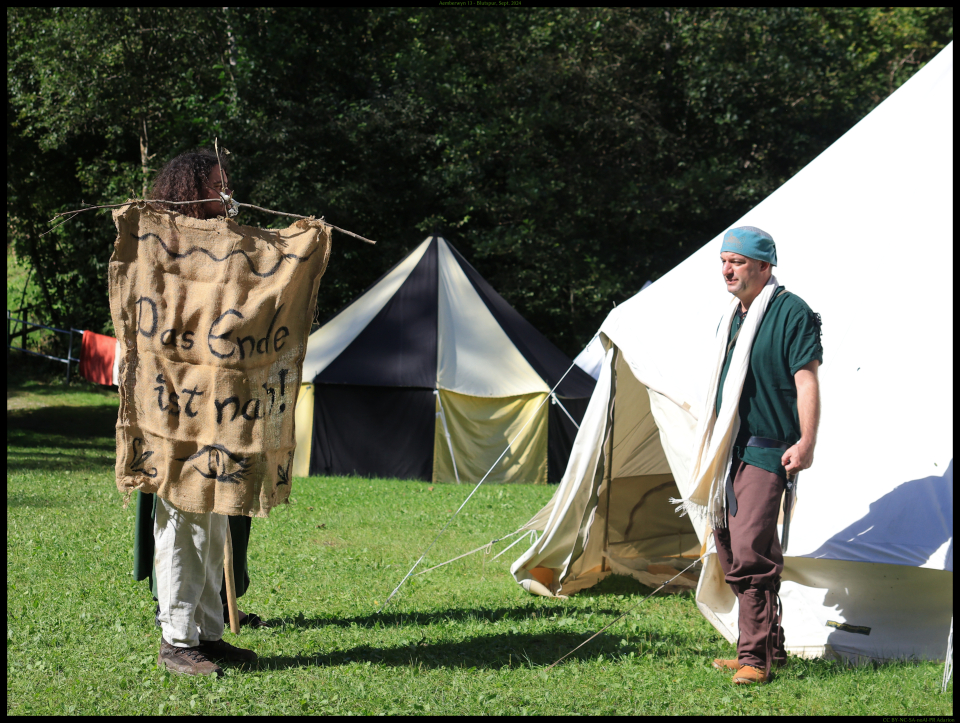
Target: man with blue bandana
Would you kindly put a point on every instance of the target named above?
(778, 411)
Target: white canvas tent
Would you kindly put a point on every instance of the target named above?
(865, 235)
(591, 358)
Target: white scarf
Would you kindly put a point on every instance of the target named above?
(713, 453)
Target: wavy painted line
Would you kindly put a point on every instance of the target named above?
(253, 269)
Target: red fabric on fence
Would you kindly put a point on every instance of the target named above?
(97, 353)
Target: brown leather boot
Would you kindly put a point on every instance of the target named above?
(222, 650)
(734, 665)
(748, 675)
(726, 665)
(189, 661)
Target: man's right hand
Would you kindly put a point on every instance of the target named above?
(798, 457)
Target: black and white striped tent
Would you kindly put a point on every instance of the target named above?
(429, 375)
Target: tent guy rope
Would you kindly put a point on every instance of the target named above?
(488, 547)
(532, 537)
(564, 410)
(509, 445)
(630, 610)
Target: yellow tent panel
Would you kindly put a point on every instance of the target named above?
(303, 423)
(480, 429)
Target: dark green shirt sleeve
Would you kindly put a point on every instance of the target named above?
(803, 339)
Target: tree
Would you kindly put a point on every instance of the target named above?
(570, 153)
(90, 91)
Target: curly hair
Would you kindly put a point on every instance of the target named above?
(182, 179)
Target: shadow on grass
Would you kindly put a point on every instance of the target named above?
(516, 650)
(501, 648)
(626, 585)
(87, 430)
(21, 500)
(538, 650)
(58, 462)
(401, 619)
(76, 423)
(76, 388)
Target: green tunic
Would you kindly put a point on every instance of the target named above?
(143, 546)
(788, 339)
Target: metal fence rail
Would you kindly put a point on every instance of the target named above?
(29, 327)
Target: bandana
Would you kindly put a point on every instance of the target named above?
(751, 242)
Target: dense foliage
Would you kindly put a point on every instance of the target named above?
(570, 154)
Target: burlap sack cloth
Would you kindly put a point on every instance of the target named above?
(213, 319)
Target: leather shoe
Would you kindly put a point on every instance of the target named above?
(250, 620)
(190, 661)
(222, 650)
(726, 665)
(747, 675)
(734, 665)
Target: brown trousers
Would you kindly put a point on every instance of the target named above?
(752, 561)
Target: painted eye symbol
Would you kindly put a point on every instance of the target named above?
(219, 462)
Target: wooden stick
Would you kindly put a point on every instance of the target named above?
(75, 211)
(281, 213)
(231, 586)
(223, 181)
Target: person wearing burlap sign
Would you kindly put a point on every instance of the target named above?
(212, 319)
(758, 425)
(190, 176)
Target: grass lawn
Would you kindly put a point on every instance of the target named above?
(464, 639)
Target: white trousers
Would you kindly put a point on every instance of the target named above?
(189, 561)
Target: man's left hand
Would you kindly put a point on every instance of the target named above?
(798, 457)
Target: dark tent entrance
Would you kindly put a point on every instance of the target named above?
(372, 431)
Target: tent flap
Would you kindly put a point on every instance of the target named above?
(480, 430)
(560, 517)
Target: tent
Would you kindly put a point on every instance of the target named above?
(865, 235)
(591, 358)
(428, 375)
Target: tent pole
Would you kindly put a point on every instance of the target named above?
(948, 661)
(608, 472)
(446, 431)
(556, 401)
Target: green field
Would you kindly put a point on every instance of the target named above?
(464, 639)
